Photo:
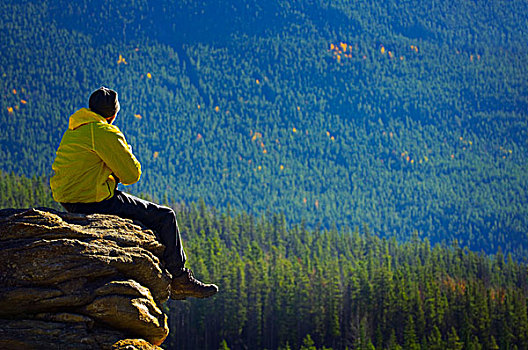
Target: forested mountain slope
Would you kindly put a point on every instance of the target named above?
(306, 289)
(22, 192)
(401, 115)
(289, 287)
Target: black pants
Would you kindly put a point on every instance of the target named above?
(160, 219)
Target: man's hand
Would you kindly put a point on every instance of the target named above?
(116, 179)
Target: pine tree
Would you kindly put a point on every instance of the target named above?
(453, 341)
(434, 340)
(308, 343)
(409, 335)
(223, 345)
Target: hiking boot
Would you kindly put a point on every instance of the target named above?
(185, 285)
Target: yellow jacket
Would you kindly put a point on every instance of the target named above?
(91, 154)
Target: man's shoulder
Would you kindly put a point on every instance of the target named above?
(107, 134)
(106, 128)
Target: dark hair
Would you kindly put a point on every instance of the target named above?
(104, 102)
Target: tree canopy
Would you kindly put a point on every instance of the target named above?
(402, 115)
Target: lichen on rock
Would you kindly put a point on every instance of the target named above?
(80, 282)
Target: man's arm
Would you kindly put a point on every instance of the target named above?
(111, 146)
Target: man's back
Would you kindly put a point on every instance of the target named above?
(91, 154)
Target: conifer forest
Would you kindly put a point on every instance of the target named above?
(353, 175)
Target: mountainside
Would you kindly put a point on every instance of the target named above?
(295, 288)
(401, 115)
(95, 281)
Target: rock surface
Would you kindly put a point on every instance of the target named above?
(79, 282)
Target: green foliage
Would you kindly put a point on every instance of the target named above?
(21, 192)
(223, 345)
(288, 287)
(403, 115)
(308, 343)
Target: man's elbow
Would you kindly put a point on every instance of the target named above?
(132, 180)
(132, 177)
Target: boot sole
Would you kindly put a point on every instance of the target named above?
(183, 296)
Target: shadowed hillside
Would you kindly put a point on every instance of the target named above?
(403, 116)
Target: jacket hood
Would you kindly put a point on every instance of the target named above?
(84, 116)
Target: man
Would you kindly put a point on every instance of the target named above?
(92, 158)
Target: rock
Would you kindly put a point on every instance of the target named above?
(80, 282)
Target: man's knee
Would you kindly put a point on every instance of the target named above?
(167, 212)
(166, 216)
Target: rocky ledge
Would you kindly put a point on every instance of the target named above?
(79, 282)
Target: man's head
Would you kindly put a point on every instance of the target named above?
(104, 102)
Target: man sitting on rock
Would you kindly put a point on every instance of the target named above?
(92, 158)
